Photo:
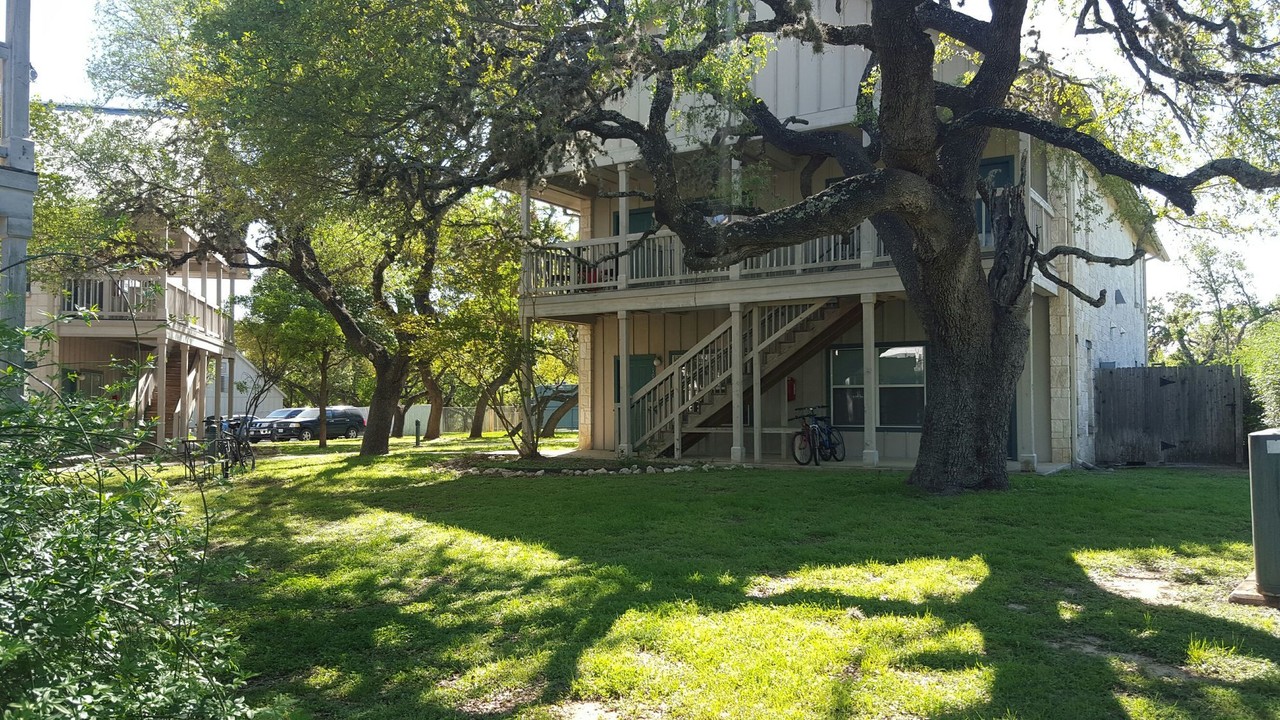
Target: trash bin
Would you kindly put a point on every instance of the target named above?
(1264, 482)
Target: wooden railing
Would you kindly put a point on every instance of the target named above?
(588, 266)
(663, 402)
(146, 299)
(598, 264)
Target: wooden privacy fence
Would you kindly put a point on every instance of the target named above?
(1170, 414)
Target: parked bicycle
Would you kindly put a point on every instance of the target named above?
(816, 434)
(223, 447)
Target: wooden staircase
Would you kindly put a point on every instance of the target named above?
(696, 391)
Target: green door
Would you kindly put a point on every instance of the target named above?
(641, 369)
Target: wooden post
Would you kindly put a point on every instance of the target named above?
(757, 403)
(737, 453)
(162, 394)
(231, 385)
(624, 225)
(624, 383)
(870, 382)
(202, 385)
(1025, 427)
(181, 418)
(217, 387)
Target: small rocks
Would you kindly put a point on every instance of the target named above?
(587, 472)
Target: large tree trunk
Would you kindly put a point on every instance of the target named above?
(487, 393)
(976, 322)
(389, 378)
(964, 445)
(549, 427)
(397, 423)
(435, 396)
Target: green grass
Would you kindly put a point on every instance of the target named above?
(392, 588)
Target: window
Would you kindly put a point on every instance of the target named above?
(900, 394)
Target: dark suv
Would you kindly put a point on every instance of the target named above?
(342, 422)
(263, 428)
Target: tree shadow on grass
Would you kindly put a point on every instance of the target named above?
(453, 631)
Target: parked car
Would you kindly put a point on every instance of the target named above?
(229, 423)
(342, 421)
(262, 429)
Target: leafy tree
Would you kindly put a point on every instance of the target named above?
(301, 336)
(1197, 117)
(391, 113)
(480, 335)
(1207, 326)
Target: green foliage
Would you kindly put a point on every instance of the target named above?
(1207, 325)
(1260, 356)
(102, 574)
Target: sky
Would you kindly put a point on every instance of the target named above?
(62, 36)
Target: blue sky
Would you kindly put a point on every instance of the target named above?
(62, 42)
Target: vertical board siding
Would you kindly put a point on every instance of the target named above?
(1169, 414)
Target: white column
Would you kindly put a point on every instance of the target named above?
(217, 386)
(757, 402)
(182, 418)
(737, 453)
(624, 225)
(231, 385)
(162, 394)
(202, 386)
(1024, 401)
(624, 383)
(870, 382)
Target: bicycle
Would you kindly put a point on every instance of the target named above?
(817, 433)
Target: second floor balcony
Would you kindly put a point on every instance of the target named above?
(146, 303)
(605, 264)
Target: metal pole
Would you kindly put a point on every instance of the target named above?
(417, 433)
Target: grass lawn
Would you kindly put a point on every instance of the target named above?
(393, 588)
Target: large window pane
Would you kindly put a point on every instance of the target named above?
(846, 407)
(902, 366)
(901, 406)
(846, 367)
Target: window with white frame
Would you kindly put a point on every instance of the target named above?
(900, 392)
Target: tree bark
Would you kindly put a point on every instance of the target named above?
(435, 396)
(322, 430)
(397, 423)
(390, 374)
(487, 394)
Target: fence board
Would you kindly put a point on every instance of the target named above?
(1169, 414)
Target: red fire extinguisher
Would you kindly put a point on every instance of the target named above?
(791, 389)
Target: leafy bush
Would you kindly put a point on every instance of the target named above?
(101, 606)
(1260, 356)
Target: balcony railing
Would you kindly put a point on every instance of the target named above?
(147, 299)
(594, 265)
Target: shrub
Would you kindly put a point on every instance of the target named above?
(102, 610)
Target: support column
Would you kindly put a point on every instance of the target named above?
(231, 385)
(624, 225)
(162, 391)
(202, 386)
(870, 382)
(217, 386)
(737, 453)
(757, 402)
(1024, 402)
(624, 383)
(182, 418)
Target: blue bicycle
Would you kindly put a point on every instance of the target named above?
(816, 433)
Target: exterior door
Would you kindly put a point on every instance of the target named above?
(641, 369)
